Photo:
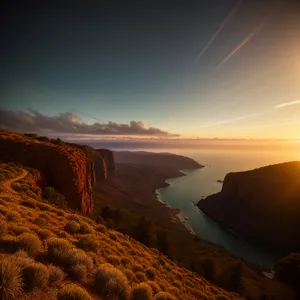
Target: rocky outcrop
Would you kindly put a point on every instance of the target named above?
(70, 169)
(262, 205)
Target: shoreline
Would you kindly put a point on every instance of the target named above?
(175, 211)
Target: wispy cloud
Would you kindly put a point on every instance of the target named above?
(287, 104)
(229, 120)
(221, 27)
(246, 40)
(33, 121)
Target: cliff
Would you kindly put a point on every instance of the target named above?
(71, 169)
(262, 205)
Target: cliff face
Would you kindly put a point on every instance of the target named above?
(68, 168)
(262, 205)
(109, 159)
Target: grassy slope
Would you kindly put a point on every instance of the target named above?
(23, 215)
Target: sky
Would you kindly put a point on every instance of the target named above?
(151, 69)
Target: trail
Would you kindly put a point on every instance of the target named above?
(7, 183)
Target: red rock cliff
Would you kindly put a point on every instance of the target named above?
(262, 205)
(68, 169)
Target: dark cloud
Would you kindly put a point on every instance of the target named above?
(33, 121)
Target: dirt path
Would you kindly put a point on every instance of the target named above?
(7, 183)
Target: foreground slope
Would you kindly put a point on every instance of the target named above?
(262, 205)
(47, 249)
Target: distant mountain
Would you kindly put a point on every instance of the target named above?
(262, 205)
(161, 160)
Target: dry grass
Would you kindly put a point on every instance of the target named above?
(102, 260)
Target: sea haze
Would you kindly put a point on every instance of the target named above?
(219, 158)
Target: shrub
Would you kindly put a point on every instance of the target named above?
(129, 274)
(141, 291)
(79, 272)
(111, 283)
(11, 285)
(150, 272)
(137, 268)
(155, 287)
(3, 228)
(36, 276)
(75, 257)
(13, 216)
(29, 203)
(113, 236)
(101, 228)
(73, 218)
(114, 260)
(86, 228)
(56, 275)
(88, 243)
(57, 248)
(17, 229)
(73, 292)
(163, 296)
(140, 276)
(54, 197)
(45, 234)
(30, 243)
(22, 259)
(72, 227)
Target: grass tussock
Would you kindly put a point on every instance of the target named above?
(73, 292)
(164, 296)
(111, 283)
(141, 291)
(36, 275)
(11, 282)
(56, 275)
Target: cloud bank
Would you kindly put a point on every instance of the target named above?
(33, 121)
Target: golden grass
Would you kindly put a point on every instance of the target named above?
(70, 247)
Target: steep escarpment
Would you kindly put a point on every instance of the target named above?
(70, 169)
(262, 205)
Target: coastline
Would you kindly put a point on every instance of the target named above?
(175, 211)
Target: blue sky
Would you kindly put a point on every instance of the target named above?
(121, 61)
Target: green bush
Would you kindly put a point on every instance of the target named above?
(36, 276)
(111, 283)
(30, 243)
(11, 284)
(141, 291)
(72, 227)
(56, 275)
(163, 296)
(73, 292)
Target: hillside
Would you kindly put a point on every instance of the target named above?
(56, 254)
(161, 160)
(262, 205)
